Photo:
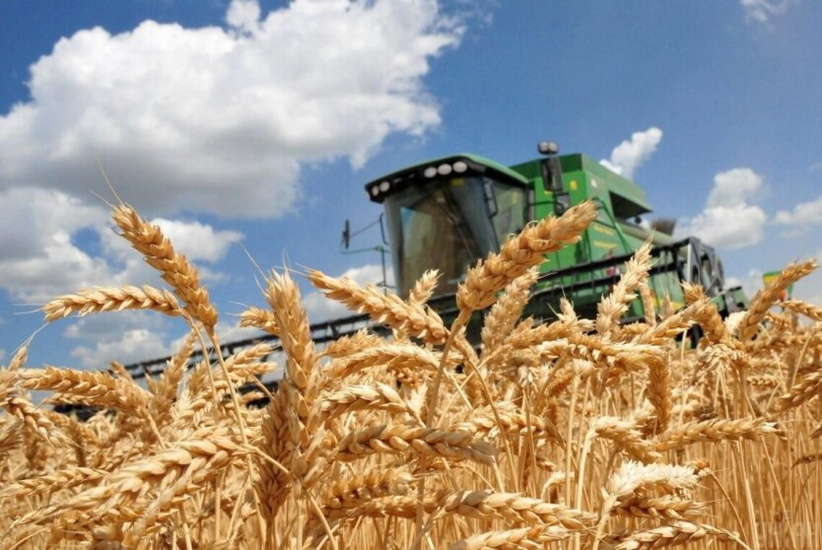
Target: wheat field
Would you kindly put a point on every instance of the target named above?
(572, 433)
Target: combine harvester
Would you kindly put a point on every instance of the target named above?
(447, 213)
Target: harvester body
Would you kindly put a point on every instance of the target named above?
(447, 213)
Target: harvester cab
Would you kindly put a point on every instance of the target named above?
(449, 212)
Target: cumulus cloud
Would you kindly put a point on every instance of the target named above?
(39, 255)
(243, 15)
(125, 337)
(734, 227)
(802, 215)
(763, 11)
(321, 308)
(735, 187)
(218, 120)
(47, 239)
(128, 347)
(198, 241)
(630, 154)
(728, 220)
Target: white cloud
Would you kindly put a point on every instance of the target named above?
(244, 15)
(199, 242)
(763, 10)
(321, 308)
(130, 346)
(735, 187)
(126, 337)
(133, 336)
(728, 227)
(217, 119)
(803, 214)
(38, 253)
(35, 219)
(3, 354)
(45, 238)
(101, 327)
(728, 220)
(630, 155)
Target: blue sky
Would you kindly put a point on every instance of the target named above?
(255, 125)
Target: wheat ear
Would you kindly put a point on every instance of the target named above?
(424, 287)
(174, 268)
(10, 438)
(803, 308)
(263, 319)
(524, 537)
(803, 391)
(387, 308)
(713, 430)
(766, 297)
(514, 508)
(505, 313)
(93, 388)
(613, 306)
(101, 299)
(520, 253)
(678, 532)
(415, 440)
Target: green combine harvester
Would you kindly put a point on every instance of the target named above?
(447, 213)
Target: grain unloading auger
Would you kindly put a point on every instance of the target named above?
(447, 213)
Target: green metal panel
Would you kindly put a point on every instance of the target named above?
(585, 179)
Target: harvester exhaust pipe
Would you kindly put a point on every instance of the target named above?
(551, 169)
(552, 175)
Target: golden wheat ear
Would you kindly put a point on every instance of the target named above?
(174, 268)
(387, 308)
(766, 297)
(518, 254)
(102, 299)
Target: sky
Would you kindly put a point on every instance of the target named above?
(246, 130)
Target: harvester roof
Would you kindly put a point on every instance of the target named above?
(460, 165)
